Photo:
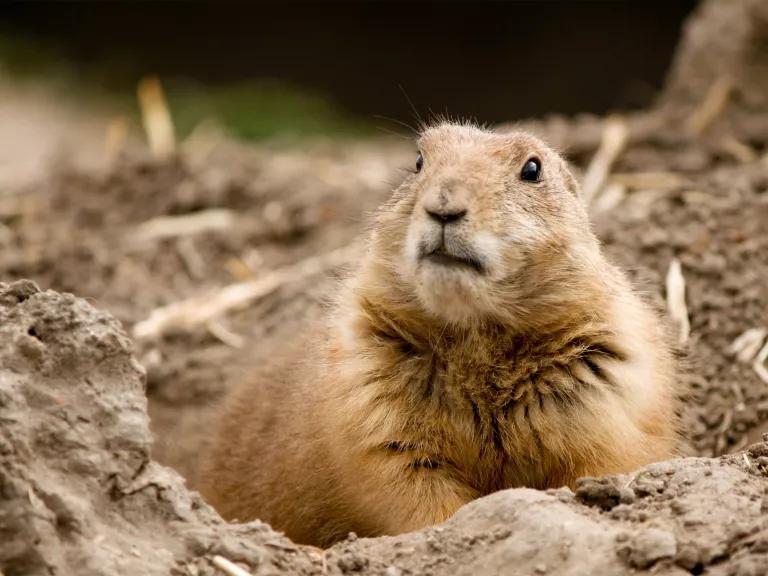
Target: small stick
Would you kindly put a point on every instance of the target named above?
(676, 305)
(738, 395)
(239, 269)
(614, 139)
(193, 262)
(229, 567)
(184, 225)
(747, 346)
(117, 132)
(712, 106)
(759, 364)
(613, 194)
(743, 441)
(740, 151)
(156, 117)
(722, 432)
(200, 310)
(645, 180)
(218, 330)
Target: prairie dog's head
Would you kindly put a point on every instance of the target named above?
(479, 213)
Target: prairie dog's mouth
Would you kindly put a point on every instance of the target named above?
(443, 257)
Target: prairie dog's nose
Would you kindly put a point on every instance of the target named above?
(446, 202)
(446, 215)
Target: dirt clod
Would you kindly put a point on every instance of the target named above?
(603, 493)
(647, 547)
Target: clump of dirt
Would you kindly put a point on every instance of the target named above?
(725, 43)
(680, 517)
(78, 491)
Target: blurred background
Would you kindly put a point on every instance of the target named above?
(294, 69)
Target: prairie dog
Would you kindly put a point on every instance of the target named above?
(484, 342)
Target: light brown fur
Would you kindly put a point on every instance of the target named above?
(435, 384)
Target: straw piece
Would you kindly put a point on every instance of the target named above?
(759, 364)
(229, 567)
(190, 256)
(218, 330)
(612, 196)
(747, 346)
(676, 305)
(201, 310)
(614, 139)
(156, 117)
(712, 106)
(184, 225)
(117, 133)
(648, 180)
(740, 151)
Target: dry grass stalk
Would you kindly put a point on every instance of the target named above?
(117, 134)
(740, 444)
(229, 567)
(712, 106)
(221, 332)
(613, 194)
(740, 151)
(191, 258)
(747, 346)
(722, 433)
(201, 310)
(204, 138)
(752, 346)
(239, 269)
(156, 117)
(759, 363)
(738, 395)
(184, 225)
(614, 139)
(648, 180)
(676, 305)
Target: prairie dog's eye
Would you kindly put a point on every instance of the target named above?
(419, 162)
(531, 171)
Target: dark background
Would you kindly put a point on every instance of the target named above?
(489, 61)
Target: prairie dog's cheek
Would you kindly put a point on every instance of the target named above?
(524, 229)
(411, 249)
(491, 249)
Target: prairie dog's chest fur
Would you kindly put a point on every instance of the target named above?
(489, 408)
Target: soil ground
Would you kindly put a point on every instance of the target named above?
(700, 196)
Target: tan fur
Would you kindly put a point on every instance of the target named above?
(435, 384)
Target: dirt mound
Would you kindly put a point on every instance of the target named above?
(723, 53)
(79, 493)
(714, 223)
